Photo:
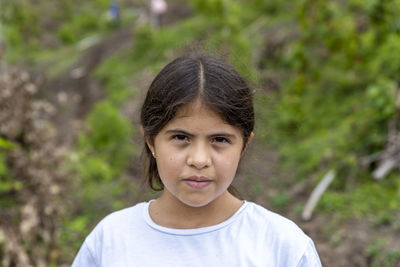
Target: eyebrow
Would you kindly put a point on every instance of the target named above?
(217, 134)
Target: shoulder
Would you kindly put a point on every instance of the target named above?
(108, 233)
(288, 243)
(117, 223)
(124, 216)
(271, 220)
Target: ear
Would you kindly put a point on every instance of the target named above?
(141, 130)
(248, 142)
(148, 140)
(150, 144)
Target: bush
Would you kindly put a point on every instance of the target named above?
(105, 149)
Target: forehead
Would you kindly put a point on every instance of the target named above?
(196, 108)
(197, 115)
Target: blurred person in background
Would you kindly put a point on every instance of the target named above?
(114, 13)
(157, 9)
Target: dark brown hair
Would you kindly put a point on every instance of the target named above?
(184, 80)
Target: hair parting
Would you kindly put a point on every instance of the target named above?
(201, 78)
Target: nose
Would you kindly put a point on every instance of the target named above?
(199, 156)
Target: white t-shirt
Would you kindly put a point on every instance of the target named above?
(253, 236)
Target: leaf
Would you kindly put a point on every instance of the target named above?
(7, 144)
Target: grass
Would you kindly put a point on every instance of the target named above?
(379, 202)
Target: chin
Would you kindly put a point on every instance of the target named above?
(196, 203)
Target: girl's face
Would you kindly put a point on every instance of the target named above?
(197, 155)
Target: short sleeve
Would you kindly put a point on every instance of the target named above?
(84, 258)
(310, 257)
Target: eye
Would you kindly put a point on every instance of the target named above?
(221, 140)
(180, 137)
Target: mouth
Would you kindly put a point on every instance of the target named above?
(197, 182)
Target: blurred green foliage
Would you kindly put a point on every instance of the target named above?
(379, 255)
(7, 182)
(383, 199)
(103, 153)
(279, 200)
(114, 74)
(30, 28)
(105, 149)
(336, 103)
(334, 66)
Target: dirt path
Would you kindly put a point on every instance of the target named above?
(75, 91)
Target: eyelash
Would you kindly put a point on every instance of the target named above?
(218, 139)
(180, 137)
(221, 139)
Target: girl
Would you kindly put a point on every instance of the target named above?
(197, 121)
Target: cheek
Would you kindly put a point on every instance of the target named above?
(169, 163)
(228, 164)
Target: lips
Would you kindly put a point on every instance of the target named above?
(197, 182)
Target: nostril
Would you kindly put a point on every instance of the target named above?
(199, 163)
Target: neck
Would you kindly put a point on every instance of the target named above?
(169, 211)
